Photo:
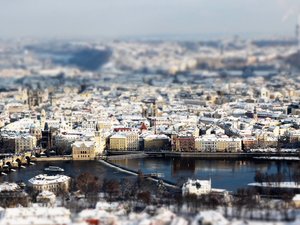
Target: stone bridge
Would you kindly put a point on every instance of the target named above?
(15, 161)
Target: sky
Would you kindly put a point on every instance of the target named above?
(138, 18)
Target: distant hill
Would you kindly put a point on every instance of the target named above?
(89, 59)
(85, 58)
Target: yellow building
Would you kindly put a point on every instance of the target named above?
(104, 125)
(125, 141)
(221, 145)
(23, 143)
(118, 142)
(132, 139)
(83, 150)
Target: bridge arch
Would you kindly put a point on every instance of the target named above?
(28, 159)
(19, 161)
(9, 165)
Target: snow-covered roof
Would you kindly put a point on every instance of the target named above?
(44, 179)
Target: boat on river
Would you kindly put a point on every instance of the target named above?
(54, 169)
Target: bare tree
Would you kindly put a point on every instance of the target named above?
(145, 197)
(112, 188)
(88, 183)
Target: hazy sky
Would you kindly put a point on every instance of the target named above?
(117, 18)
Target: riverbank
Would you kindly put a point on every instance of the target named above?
(279, 185)
(53, 158)
(202, 155)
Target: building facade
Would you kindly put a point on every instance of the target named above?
(185, 144)
(83, 150)
(196, 187)
(55, 183)
(23, 143)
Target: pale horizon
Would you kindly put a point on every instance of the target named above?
(135, 18)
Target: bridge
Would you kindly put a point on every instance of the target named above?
(15, 161)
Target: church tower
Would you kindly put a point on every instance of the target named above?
(100, 141)
(255, 117)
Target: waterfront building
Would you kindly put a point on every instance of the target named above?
(233, 145)
(53, 183)
(206, 143)
(25, 142)
(196, 187)
(118, 142)
(63, 142)
(249, 142)
(211, 143)
(185, 144)
(83, 150)
(154, 142)
(8, 144)
(132, 139)
(128, 141)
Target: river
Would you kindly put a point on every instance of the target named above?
(225, 174)
(71, 168)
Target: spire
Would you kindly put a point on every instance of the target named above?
(46, 126)
(255, 113)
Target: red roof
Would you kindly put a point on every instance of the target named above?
(93, 221)
(143, 127)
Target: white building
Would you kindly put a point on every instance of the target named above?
(212, 143)
(55, 183)
(196, 187)
(46, 198)
(206, 143)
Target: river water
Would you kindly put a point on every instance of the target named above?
(71, 168)
(225, 174)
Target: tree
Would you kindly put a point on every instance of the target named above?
(140, 178)
(145, 197)
(128, 188)
(88, 183)
(259, 177)
(112, 188)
